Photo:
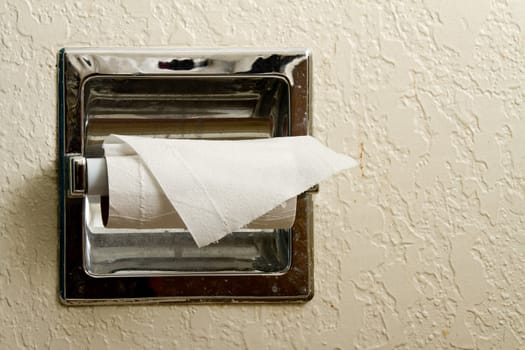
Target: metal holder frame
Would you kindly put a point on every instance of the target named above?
(77, 285)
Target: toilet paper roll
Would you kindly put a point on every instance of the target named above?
(137, 201)
(212, 187)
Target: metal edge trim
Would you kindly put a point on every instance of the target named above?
(61, 164)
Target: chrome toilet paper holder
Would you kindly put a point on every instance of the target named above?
(210, 94)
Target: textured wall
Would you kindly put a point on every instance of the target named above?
(423, 247)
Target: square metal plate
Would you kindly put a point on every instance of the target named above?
(211, 94)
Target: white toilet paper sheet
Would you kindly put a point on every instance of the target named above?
(137, 200)
(213, 187)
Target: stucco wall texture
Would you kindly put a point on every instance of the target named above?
(423, 247)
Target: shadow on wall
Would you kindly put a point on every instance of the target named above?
(31, 236)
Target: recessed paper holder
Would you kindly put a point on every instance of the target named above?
(208, 94)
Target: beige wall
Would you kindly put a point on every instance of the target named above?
(423, 249)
